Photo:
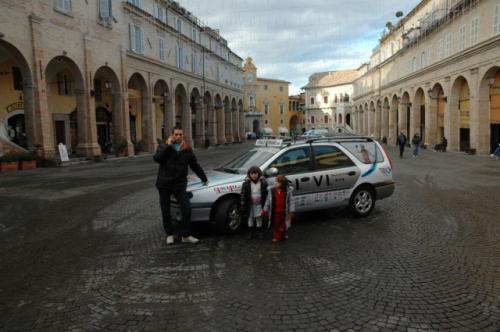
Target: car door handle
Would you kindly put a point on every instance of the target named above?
(351, 173)
(305, 179)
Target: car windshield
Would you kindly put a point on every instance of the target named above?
(250, 158)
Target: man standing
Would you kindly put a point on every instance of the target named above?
(415, 142)
(174, 157)
(401, 142)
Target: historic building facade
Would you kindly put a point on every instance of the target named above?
(93, 73)
(328, 100)
(297, 119)
(435, 73)
(265, 103)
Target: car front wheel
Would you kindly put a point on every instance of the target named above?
(362, 202)
(227, 217)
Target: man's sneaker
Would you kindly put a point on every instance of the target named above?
(170, 239)
(189, 239)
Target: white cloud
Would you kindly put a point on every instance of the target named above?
(292, 39)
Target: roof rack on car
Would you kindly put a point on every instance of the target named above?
(341, 139)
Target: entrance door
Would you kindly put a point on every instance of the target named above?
(495, 136)
(60, 127)
(103, 136)
(17, 130)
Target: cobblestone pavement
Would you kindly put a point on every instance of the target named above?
(82, 249)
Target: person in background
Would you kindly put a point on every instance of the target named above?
(174, 157)
(401, 142)
(496, 153)
(415, 142)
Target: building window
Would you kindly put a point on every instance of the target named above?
(104, 9)
(312, 118)
(474, 31)
(179, 25)
(312, 100)
(136, 3)
(448, 44)
(266, 109)
(159, 12)
(336, 99)
(325, 99)
(496, 21)
(265, 87)
(440, 49)
(266, 122)
(135, 35)
(180, 57)
(282, 109)
(161, 49)
(64, 5)
(423, 59)
(281, 88)
(193, 34)
(282, 122)
(64, 85)
(194, 59)
(326, 118)
(17, 78)
(461, 38)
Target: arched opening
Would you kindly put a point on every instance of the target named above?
(235, 121)
(210, 129)
(378, 120)
(418, 120)
(489, 112)
(163, 110)
(340, 119)
(65, 94)
(182, 112)
(436, 112)
(109, 115)
(460, 115)
(348, 119)
(196, 106)
(385, 118)
(219, 115)
(138, 106)
(228, 121)
(256, 127)
(371, 119)
(16, 98)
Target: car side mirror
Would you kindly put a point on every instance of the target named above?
(271, 172)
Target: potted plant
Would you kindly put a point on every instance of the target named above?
(27, 161)
(119, 146)
(9, 162)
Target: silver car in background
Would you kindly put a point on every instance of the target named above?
(330, 172)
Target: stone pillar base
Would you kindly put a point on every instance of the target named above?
(212, 140)
(229, 140)
(90, 150)
(221, 140)
(199, 142)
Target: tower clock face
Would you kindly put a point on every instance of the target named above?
(250, 77)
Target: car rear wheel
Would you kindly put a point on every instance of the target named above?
(227, 217)
(362, 202)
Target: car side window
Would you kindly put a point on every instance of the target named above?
(367, 152)
(329, 157)
(293, 161)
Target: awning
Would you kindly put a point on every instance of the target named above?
(267, 131)
(283, 129)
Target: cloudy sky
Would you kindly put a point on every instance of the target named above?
(292, 39)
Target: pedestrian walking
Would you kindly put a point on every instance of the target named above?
(415, 142)
(280, 208)
(441, 146)
(496, 153)
(253, 198)
(401, 142)
(174, 157)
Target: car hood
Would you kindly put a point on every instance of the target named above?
(215, 178)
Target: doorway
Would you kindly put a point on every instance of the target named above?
(17, 130)
(60, 126)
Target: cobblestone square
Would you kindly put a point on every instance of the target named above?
(82, 249)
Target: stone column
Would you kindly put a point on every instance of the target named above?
(228, 124)
(212, 128)
(148, 119)
(220, 125)
(482, 128)
(452, 118)
(393, 114)
(402, 111)
(186, 122)
(29, 113)
(43, 137)
(200, 124)
(478, 140)
(243, 137)
(125, 121)
(168, 115)
(431, 106)
(385, 122)
(235, 124)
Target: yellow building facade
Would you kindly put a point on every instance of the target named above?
(265, 103)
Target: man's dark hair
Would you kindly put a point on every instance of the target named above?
(176, 128)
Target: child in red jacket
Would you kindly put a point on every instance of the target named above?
(280, 207)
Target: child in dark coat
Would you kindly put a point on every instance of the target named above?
(253, 197)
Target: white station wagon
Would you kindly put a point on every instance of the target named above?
(331, 172)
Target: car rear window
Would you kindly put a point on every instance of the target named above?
(366, 152)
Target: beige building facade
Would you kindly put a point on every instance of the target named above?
(91, 73)
(265, 103)
(436, 73)
(328, 100)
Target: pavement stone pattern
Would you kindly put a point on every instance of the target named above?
(82, 249)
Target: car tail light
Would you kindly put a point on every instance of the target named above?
(388, 155)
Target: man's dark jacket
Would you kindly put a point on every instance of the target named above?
(173, 170)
